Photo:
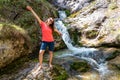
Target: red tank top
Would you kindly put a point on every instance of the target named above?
(46, 32)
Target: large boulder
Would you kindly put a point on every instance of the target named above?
(14, 43)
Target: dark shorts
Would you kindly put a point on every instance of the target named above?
(45, 44)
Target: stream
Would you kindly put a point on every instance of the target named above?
(99, 67)
(93, 56)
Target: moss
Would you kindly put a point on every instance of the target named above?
(58, 73)
(113, 5)
(74, 14)
(80, 44)
(65, 24)
(80, 66)
(91, 34)
(67, 12)
(35, 60)
(13, 26)
(75, 36)
(13, 32)
(14, 66)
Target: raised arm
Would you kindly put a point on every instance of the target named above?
(35, 15)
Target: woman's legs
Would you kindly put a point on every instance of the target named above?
(50, 58)
(41, 52)
(51, 49)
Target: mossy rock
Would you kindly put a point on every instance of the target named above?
(75, 36)
(118, 66)
(114, 64)
(59, 73)
(91, 34)
(14, 43)
(113, 5)
(93, 2)
(80, 66)
(14, 66)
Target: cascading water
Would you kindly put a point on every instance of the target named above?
(94, 57)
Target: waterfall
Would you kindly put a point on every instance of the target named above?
(94, 57)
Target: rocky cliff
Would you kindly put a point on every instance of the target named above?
(95, 23)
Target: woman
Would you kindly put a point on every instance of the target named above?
(47, 29)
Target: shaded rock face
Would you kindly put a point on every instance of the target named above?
(110, 53)
(97, 23)
(14, 42)
(115, 63)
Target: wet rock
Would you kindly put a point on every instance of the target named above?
(46, 73)
(115, 63)
(80, 66)
(110, 53)
(72, 65)
(39, 74)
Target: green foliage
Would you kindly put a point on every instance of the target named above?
(67, 12)
(4, 1)
(75, 37)
(26, 20)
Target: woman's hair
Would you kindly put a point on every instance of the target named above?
(52, 25)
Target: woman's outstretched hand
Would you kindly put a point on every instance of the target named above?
(29, 8)
(60, 33)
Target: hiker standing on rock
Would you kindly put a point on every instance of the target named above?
(47, 29)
